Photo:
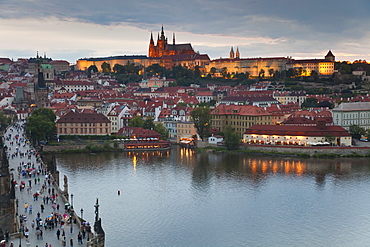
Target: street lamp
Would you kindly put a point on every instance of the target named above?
(20, 238)
(71, 200)
(82, 213)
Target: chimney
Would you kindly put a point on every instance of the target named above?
(321, 124)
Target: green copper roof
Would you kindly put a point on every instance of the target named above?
(46, 66)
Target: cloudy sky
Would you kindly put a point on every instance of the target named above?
(69, 29)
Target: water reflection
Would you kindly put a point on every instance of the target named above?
(177, 197)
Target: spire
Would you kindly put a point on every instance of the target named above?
(37, 54)
(173, 39)
(237, 55)
(162, 34)
(151, 38)
(232, 54)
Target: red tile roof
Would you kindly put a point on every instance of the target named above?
(296, 130)
(74, 117)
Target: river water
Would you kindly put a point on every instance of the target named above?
(181, 198)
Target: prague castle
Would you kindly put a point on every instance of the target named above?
(163, 53)
(255, 66)
(169, 55)
(163, 48)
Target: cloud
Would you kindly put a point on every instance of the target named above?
(258, 28)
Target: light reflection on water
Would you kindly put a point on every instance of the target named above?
(180, 198)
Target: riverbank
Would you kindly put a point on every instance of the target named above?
(247, 149)
(296, 151)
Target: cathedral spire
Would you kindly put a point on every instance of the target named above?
(173, 39)
(151, 38)
(162, 34)
(237, 55)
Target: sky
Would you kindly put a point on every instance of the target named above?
(70, 30)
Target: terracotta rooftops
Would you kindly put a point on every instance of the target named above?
(73, 117)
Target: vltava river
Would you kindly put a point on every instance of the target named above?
(180, 198)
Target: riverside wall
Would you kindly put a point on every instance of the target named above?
(309, 150)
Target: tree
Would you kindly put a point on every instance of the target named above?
(161, 130)
(261, 74)
(330, 138)
(356, 131)
(309, 102)
(119, 69)
(40, 128)
(92, 68)
(4, 121)
(148, 123)
(136, 122)
(231, 138)
(212, 71)
(105, 67)
(324, 104)
(201, 117)
(196, 73)
(224, 72)
(271, 72)
(315, 75)
(46, 112)
(155, 69)
(41, 124)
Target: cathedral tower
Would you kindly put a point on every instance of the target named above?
(151, 46)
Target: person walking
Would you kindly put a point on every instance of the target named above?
(79, 238)
(58, 234)
(71, 242)
(26, 234)
(25, 207)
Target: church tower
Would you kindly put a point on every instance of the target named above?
(330, 56)
(161, 43)
(237, 54)
(151, 46)
(232, 54)
(43, 73)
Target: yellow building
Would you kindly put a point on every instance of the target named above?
(185, 130)
(268, 65)
(239, 117)
(84, 64)
(74, 123)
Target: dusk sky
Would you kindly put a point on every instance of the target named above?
(69, 30)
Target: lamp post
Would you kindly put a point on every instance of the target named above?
(71, 200)
(20, 238)
(82, 213)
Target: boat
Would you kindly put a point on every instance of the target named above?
(151, 145)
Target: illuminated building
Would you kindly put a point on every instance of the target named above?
(267, 66)
(163, 48)
(297, 135)
(85, 63)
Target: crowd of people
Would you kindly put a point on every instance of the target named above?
(41, 211)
